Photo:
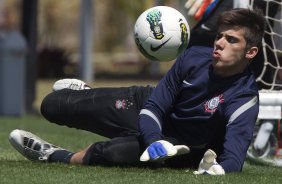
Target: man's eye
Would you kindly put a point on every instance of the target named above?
(231, 39)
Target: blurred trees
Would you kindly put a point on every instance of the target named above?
(59, 22)
(113, 21)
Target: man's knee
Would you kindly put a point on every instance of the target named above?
(117, 151)
(46, 106)
(50, 107)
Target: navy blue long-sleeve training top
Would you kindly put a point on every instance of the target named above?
(203, 108)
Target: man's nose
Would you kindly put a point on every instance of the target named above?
(219, 44)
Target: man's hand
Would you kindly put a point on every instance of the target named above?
(197, 8)
(193, 6)
(162, 150)
(208, 165)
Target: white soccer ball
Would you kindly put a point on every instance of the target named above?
(161, 33)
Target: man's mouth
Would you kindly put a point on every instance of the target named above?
(216, 55)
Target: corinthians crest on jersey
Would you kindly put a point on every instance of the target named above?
(212, 104)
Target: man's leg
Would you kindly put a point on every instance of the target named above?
(34, 148)
(110, 112)
(117, 151)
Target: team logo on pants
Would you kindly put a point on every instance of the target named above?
(123, 104)
(212, 104)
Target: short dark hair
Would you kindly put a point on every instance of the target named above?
(252, 20)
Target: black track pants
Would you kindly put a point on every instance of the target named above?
(112, 113)
(109, 112)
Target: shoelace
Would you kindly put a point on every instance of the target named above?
(75, 86)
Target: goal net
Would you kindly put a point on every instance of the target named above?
(270, 76)
(268, 149)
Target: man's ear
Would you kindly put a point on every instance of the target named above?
(252, 52)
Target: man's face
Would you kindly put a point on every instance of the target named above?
(230, 51)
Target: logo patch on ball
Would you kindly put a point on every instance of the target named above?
(212, 104)
(154, 19)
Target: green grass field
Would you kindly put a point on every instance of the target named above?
(14, 168)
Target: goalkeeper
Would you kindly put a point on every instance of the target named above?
(204, 13)
(205, 106)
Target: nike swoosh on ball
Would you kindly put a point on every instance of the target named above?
(154, 49)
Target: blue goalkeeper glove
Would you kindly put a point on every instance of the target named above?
(162, 150)
(209, 166)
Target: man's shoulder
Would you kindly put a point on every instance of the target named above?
(244, 86)
(195, 58)
(201, 49)
(201, 54)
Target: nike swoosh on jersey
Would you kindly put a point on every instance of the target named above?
(203, 26)
(154, 49)
(188, 83)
